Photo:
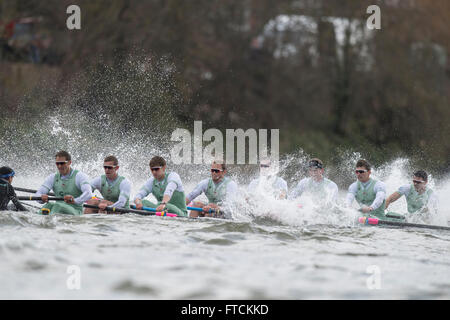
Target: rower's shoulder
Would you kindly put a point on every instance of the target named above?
(303, 181)
(80, 174)
(353, 186)
(173, 175)
(331, 183)
(232, 182)
(380, 184)
(280, 179)
(125, 181)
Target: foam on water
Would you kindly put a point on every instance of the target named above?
(273, 249)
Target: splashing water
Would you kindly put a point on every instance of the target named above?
(273, 249)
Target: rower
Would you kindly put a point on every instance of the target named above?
(269, 180)
(71, 184)
(7, 192)
(419, 198)
(166, 187)
(219, 190)
(114, 189)
(369, 193)
(322, 190)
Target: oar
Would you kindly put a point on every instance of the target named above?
(34, 198)
(375, 221)
(30, 205)
(141, 212)
(31, 191)
(200, 209)
(189, 208)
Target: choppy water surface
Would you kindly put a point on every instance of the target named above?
(252, 257)
(272, 249)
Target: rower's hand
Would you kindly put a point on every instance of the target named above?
(161, 208)
(102, 206)
(366, 209)
(69, 199)
(139, 204)
(207, 208)
(44, 198)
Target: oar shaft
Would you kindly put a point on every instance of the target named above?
(119, 210)
(200, 209)
(189, 208)
(374, 221)
(154, 210)
(124, 210)
(30, 191)
(34, 198)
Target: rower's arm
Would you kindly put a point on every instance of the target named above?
(201, 187)
(433, 203)
(125, 191)
(173, 183)
(96, 183)
(298, 190)
(12, 196)
(283, 189)
(392, 198)
(351, 194)
(380, 189)
(145, 190)
(166, 198)
(86, 195)
(46, 186)
(333, 191)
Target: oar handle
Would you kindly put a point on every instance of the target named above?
(31, 191)
(34, 198)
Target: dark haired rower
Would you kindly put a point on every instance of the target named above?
(7, 192)
(166, 187)
(418, 196)
(114, 188)
(69, 183)
(319, 188)
(369, 193)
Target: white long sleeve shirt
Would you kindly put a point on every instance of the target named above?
(173, 183)
(231, 192)
(379, 189)
(124, 187)
(81, 181)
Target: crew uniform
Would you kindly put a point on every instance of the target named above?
(318, 190)
(117, 191)
(171, 185)
(418, 202)
(75, 184)
(217, 193)
(371, 193)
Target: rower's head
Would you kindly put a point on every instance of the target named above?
(218, 170)
(363, 170)
(420, 180)
(7, 174)
(158, 167)
(111, 166)
(315, 169)
(267, 168)
(63, 160)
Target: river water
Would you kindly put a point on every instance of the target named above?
(276, 251)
